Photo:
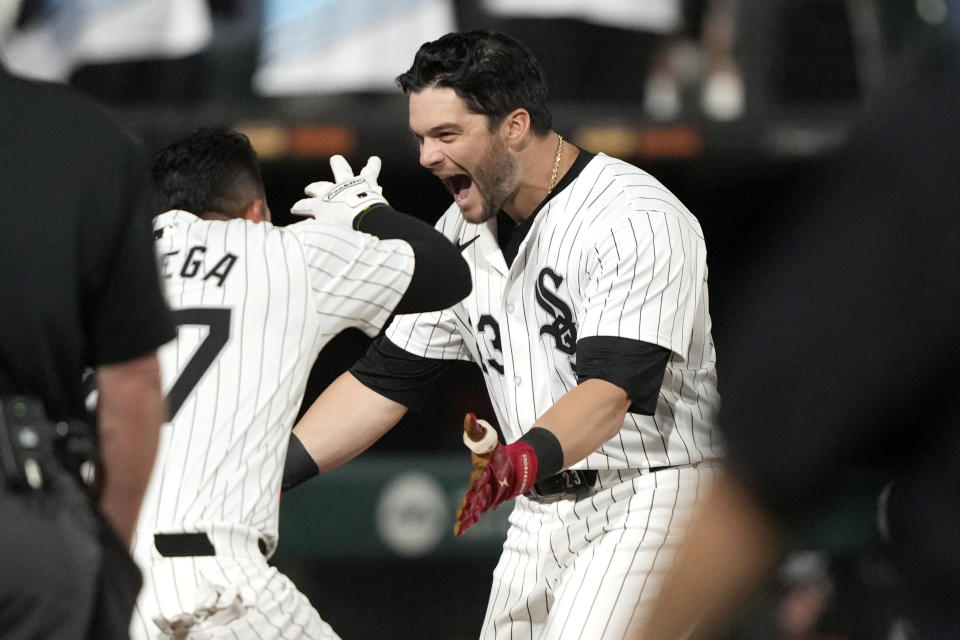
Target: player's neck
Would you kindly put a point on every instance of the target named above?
(542, 166)
(214, 215)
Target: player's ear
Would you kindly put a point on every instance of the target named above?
(516, 127)
(257, 211)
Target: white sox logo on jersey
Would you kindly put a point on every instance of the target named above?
(563, 328)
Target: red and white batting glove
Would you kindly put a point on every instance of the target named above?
(500, 473)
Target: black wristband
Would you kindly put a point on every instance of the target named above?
(547, 449)
(299, 466)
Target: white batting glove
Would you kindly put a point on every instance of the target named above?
(344, 198)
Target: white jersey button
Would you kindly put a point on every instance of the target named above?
(517, 381)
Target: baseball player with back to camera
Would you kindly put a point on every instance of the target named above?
(254, 305)
(589, 319)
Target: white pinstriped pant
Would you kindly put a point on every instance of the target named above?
(590, 569)
(273, 608)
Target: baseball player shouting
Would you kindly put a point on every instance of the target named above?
(589, 319)
(254, 305)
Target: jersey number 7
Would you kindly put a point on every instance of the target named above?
(217, 322)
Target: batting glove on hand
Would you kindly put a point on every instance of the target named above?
(344, 198)
(500, 473)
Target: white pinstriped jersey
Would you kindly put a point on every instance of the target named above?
(254, 304)
(615, 253)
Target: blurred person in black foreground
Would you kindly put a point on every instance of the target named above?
(75, 251)
(847, 342)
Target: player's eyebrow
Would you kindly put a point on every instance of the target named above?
(445, 127)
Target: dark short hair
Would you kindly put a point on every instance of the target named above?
(213, 169)
(492, 73)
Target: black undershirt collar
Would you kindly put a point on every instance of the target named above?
(510, 235)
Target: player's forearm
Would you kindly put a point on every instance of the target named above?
(576, 425)
(344, 421)
(130, 411)
(731, 546)
(587, 416)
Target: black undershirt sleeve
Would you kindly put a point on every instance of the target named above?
(441, 277)
(635, 366)
(397, 374)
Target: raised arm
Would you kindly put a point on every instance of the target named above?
(441, 277)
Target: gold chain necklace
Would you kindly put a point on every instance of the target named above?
(556, 165)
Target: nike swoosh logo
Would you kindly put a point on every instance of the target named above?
(463, 245)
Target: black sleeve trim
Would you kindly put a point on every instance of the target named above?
(397, 374)
(635, 366)
(441, 277)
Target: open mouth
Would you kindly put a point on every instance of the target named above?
(459, 185)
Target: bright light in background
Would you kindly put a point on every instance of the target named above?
(331, 46)
(76, 32)
(932, 11)
(9, 9)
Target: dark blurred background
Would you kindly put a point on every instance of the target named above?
(730, 103)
